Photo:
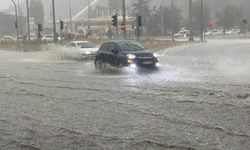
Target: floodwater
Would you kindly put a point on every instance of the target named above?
(198, 99)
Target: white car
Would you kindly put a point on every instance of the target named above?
(233, 32)
(83, 49)
(183, 33)
(50, 38)
(214, 32)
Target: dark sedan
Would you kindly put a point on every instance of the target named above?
(124, 54)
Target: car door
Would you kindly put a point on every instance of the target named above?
(102, 52)
(111, 56)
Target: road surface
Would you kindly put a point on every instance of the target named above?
(198, 99)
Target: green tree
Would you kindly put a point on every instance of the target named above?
(197, 14)
(142, 8)
(230, 17)
(114, 5)
(157, 23)
(37, 11)
(177, 18)
(154, 23)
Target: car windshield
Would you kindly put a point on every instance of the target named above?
(130, 46)
(85, 45)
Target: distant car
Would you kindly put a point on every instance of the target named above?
(8, 38)
(214, 32)
(124, 54)
(233, 32)
(48, 38)
(183, 33)
(82, 48)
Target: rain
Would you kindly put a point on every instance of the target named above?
(128, 74)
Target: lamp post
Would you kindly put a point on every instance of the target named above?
(54, 22)
(28, 19)
(16, 23)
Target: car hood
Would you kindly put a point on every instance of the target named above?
(89, 49)
(140, 53)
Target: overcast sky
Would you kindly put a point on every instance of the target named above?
(4, 4)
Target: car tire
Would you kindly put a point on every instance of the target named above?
(100, 66)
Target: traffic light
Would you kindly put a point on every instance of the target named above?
(40, 27)
(115, 20)
(61, 25)
(139, 21)
(244, 21)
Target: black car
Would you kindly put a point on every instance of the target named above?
(124, 54)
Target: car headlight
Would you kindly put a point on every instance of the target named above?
(131, 56)
(155, 55)
(87, 52)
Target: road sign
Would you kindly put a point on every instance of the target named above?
(210, 24)
(123, 26)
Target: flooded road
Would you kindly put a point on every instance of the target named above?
(198, 99)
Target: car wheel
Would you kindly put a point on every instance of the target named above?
(100, 65)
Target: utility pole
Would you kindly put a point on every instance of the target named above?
(116, 28)
(124, 18)
(70, 16)
(28, 19)
(172, 19)
(163, 18)
(54, 21)
(16, 23)
(202, 23)
(191, 20)
(20, 17)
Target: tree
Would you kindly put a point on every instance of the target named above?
(177, 18)
(156, 23)
(142, 8)
(230, 17)
(114, 5)
(197, 14)
(37, 11)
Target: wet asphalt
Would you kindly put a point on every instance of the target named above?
(198, 99)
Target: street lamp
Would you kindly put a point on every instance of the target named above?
(54, 22)
(16, 23)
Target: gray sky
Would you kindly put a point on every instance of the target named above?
(4, 4)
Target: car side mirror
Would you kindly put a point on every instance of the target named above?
(115, 51)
